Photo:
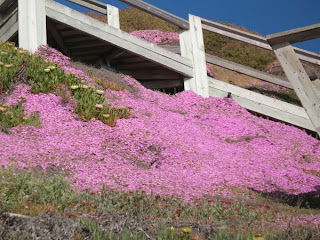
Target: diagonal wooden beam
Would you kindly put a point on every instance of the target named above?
(9, 26)
(295, 35)
(300, 81)
(57, 37)
(183, 24)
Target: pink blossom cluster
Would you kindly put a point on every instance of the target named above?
(165, 38)
(183, 144)
(53, 55)
(157, 36)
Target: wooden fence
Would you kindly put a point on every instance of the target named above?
(192, 49)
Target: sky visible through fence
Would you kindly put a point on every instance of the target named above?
(264, 17)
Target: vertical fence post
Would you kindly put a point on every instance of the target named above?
(113, 16)
(192, 47)
(32, 24)
(300, 81)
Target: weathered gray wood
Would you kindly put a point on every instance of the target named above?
(118, 38)
(192, 47)
(57, 37)
(183, 24)
(91, 4)
(307, 55)
(5, 4)
(253, 39)
(300, 82)
(295, 35)
(262, 104)
(32, 24)
(248, 71)
(113, 16)
(235, 33)
(239, 68)
(9, 27)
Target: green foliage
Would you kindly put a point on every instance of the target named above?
(12, 61)
(19, 189)
(12, 116)
(46, 77)
(237, 51)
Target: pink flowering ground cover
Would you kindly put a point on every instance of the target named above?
(183, 144)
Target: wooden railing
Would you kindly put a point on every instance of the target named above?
(192, 50)
(191, 46)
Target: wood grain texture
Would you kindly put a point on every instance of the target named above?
(32, 24)
(262, 104)
(295, 35)
(300, 81)
(253, 39)
(183, 24)
(118, 38)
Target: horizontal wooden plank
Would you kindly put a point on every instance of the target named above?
(5, 4)
(240, 68)
(262, 104)
(295, 35)
(158, 12)
(9, 27)
(91, 4)
(253, 39)
(118, 38)
(247, 71)
(235, 33)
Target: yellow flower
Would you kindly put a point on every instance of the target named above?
(106, 115)
(4, 53)
(73, 87)
(47, 70)
(92, 86)
(100, 92)
(172, 229)
(25, 118)
(186, 230)
(99, 106)
(9, 65)
(52, 67)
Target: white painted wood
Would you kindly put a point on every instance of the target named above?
(113, 16)
(187, 51)
(199, 56)
(262, 104)
(32, 24)
(300, 81)
(9, 27)
(118, 38)
(192, 47)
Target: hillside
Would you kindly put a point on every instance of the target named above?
(106, 135)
